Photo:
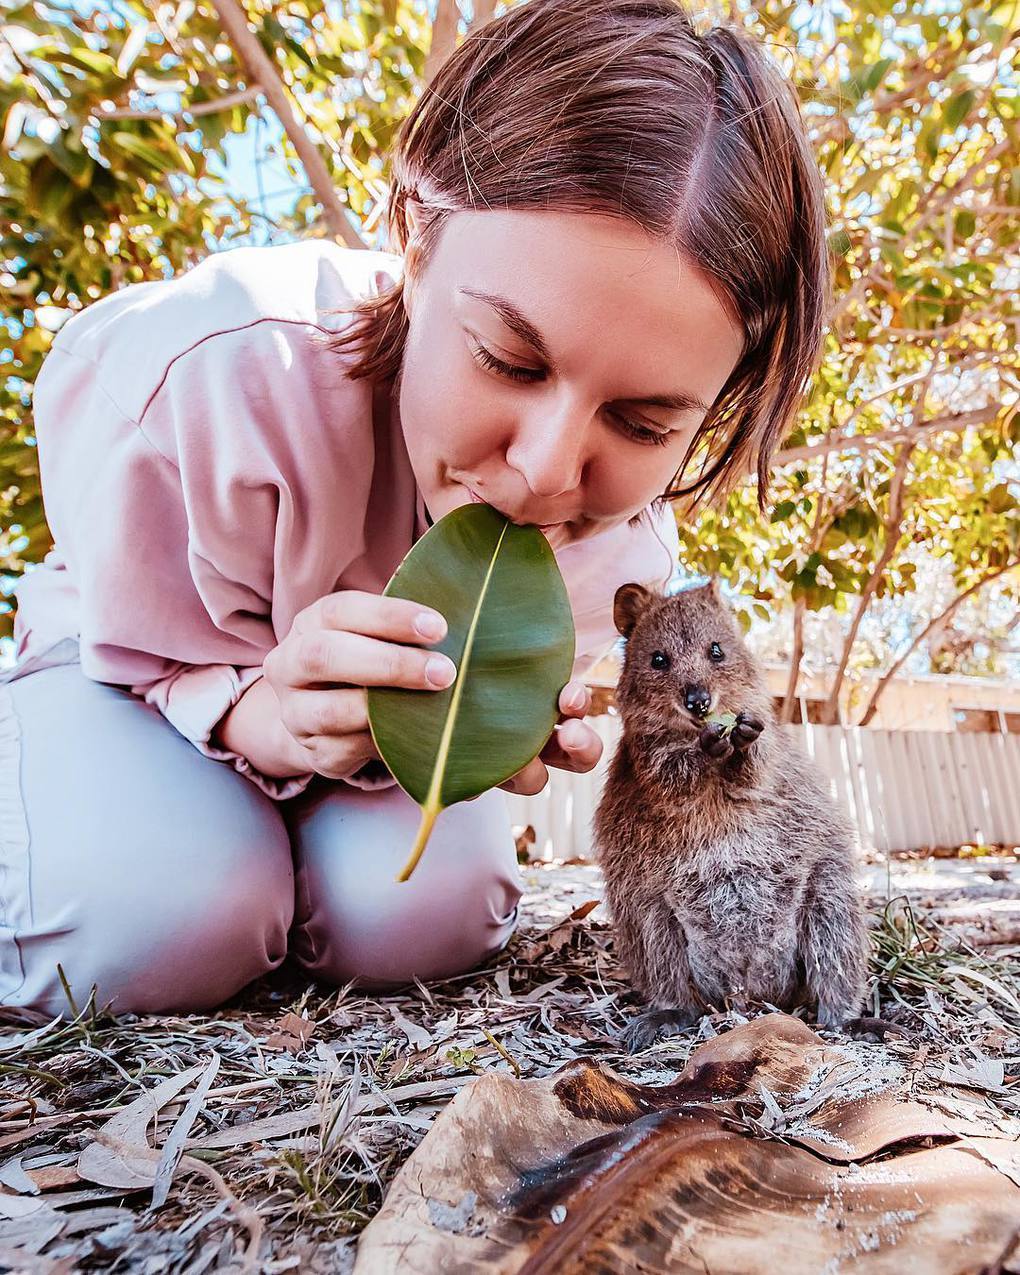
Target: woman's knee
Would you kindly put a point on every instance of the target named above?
(355, 920)
(156, 874)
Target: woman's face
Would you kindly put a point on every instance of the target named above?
(536, 342)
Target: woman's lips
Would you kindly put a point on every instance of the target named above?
(546, 526)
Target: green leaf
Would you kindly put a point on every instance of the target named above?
(726, 720)
(145, 151)
(955, 110)
(511, 636)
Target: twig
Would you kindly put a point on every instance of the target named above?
(225, 103)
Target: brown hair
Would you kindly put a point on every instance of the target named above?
(622, 107)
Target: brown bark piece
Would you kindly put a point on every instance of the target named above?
(584, 1171)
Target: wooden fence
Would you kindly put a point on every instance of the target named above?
(906, 790)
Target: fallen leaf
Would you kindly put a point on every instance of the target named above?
(417, 1037)
(978, 1073)
(108, 1167)
(581, 912)
(8, 1044)
(290, 1122)
(173, 1148)
(292, 1033)
(14, 1177)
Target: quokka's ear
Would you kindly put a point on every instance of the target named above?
(630, 601)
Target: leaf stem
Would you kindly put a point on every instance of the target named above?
(429, 814)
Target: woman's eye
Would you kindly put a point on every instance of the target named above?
(529, 375)
(660, 659)
(640, 432)
(509, 370)
(715, 652)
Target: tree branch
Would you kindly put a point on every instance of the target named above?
(825, 512)
(954, 422)
(484, 11)
(262, 71)
(224, 103)
(932, 627)
(444, 37)
(796, 659)
(893, 525)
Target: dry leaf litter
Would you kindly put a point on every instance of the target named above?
(263, 1137)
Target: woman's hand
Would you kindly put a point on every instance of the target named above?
(337, 647)
(572, 745)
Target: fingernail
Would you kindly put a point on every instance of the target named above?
(578, 698)
(440, 671)
(430, 625)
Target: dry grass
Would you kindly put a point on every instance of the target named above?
(349, 1084)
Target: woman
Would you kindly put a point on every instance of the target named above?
(610, 268)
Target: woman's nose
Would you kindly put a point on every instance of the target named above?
(548, 452)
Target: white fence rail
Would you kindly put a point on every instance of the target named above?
(906, 790)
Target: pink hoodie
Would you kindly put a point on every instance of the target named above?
(209, 470)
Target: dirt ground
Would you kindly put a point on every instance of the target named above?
(300, 1102)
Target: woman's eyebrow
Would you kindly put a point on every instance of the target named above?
(514, 319)
(682, 402)
(520, 324)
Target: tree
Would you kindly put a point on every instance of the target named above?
(114, 124)
(913, 118)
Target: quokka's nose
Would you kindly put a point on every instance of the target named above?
(697, 700)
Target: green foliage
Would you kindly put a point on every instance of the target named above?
(110, 161)
(913, 119)
(912, 113)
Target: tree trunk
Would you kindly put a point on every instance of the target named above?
(484, 11)
(261, 71)
(932, 627)
(893, 524)
(796, 658)
(444, 37)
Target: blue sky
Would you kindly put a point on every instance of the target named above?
(262, 178)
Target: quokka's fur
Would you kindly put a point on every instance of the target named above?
(728, 867)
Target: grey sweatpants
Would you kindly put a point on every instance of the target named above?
(170, 881)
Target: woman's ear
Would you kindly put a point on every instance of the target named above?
(412, 211)
(628, 604)
(412, 251)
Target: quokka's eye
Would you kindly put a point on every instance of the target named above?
(715, 652)
(660, 659)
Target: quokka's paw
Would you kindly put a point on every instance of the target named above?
(655, 1025)
(715, 742)
(746, 731)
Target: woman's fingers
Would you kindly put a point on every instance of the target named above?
(327, 656)
(573, 746)
(334, 712)
(336, 757)
(575, 700)
(529, 781)
(372, 615)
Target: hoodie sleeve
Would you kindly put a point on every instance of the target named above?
(178, 522)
